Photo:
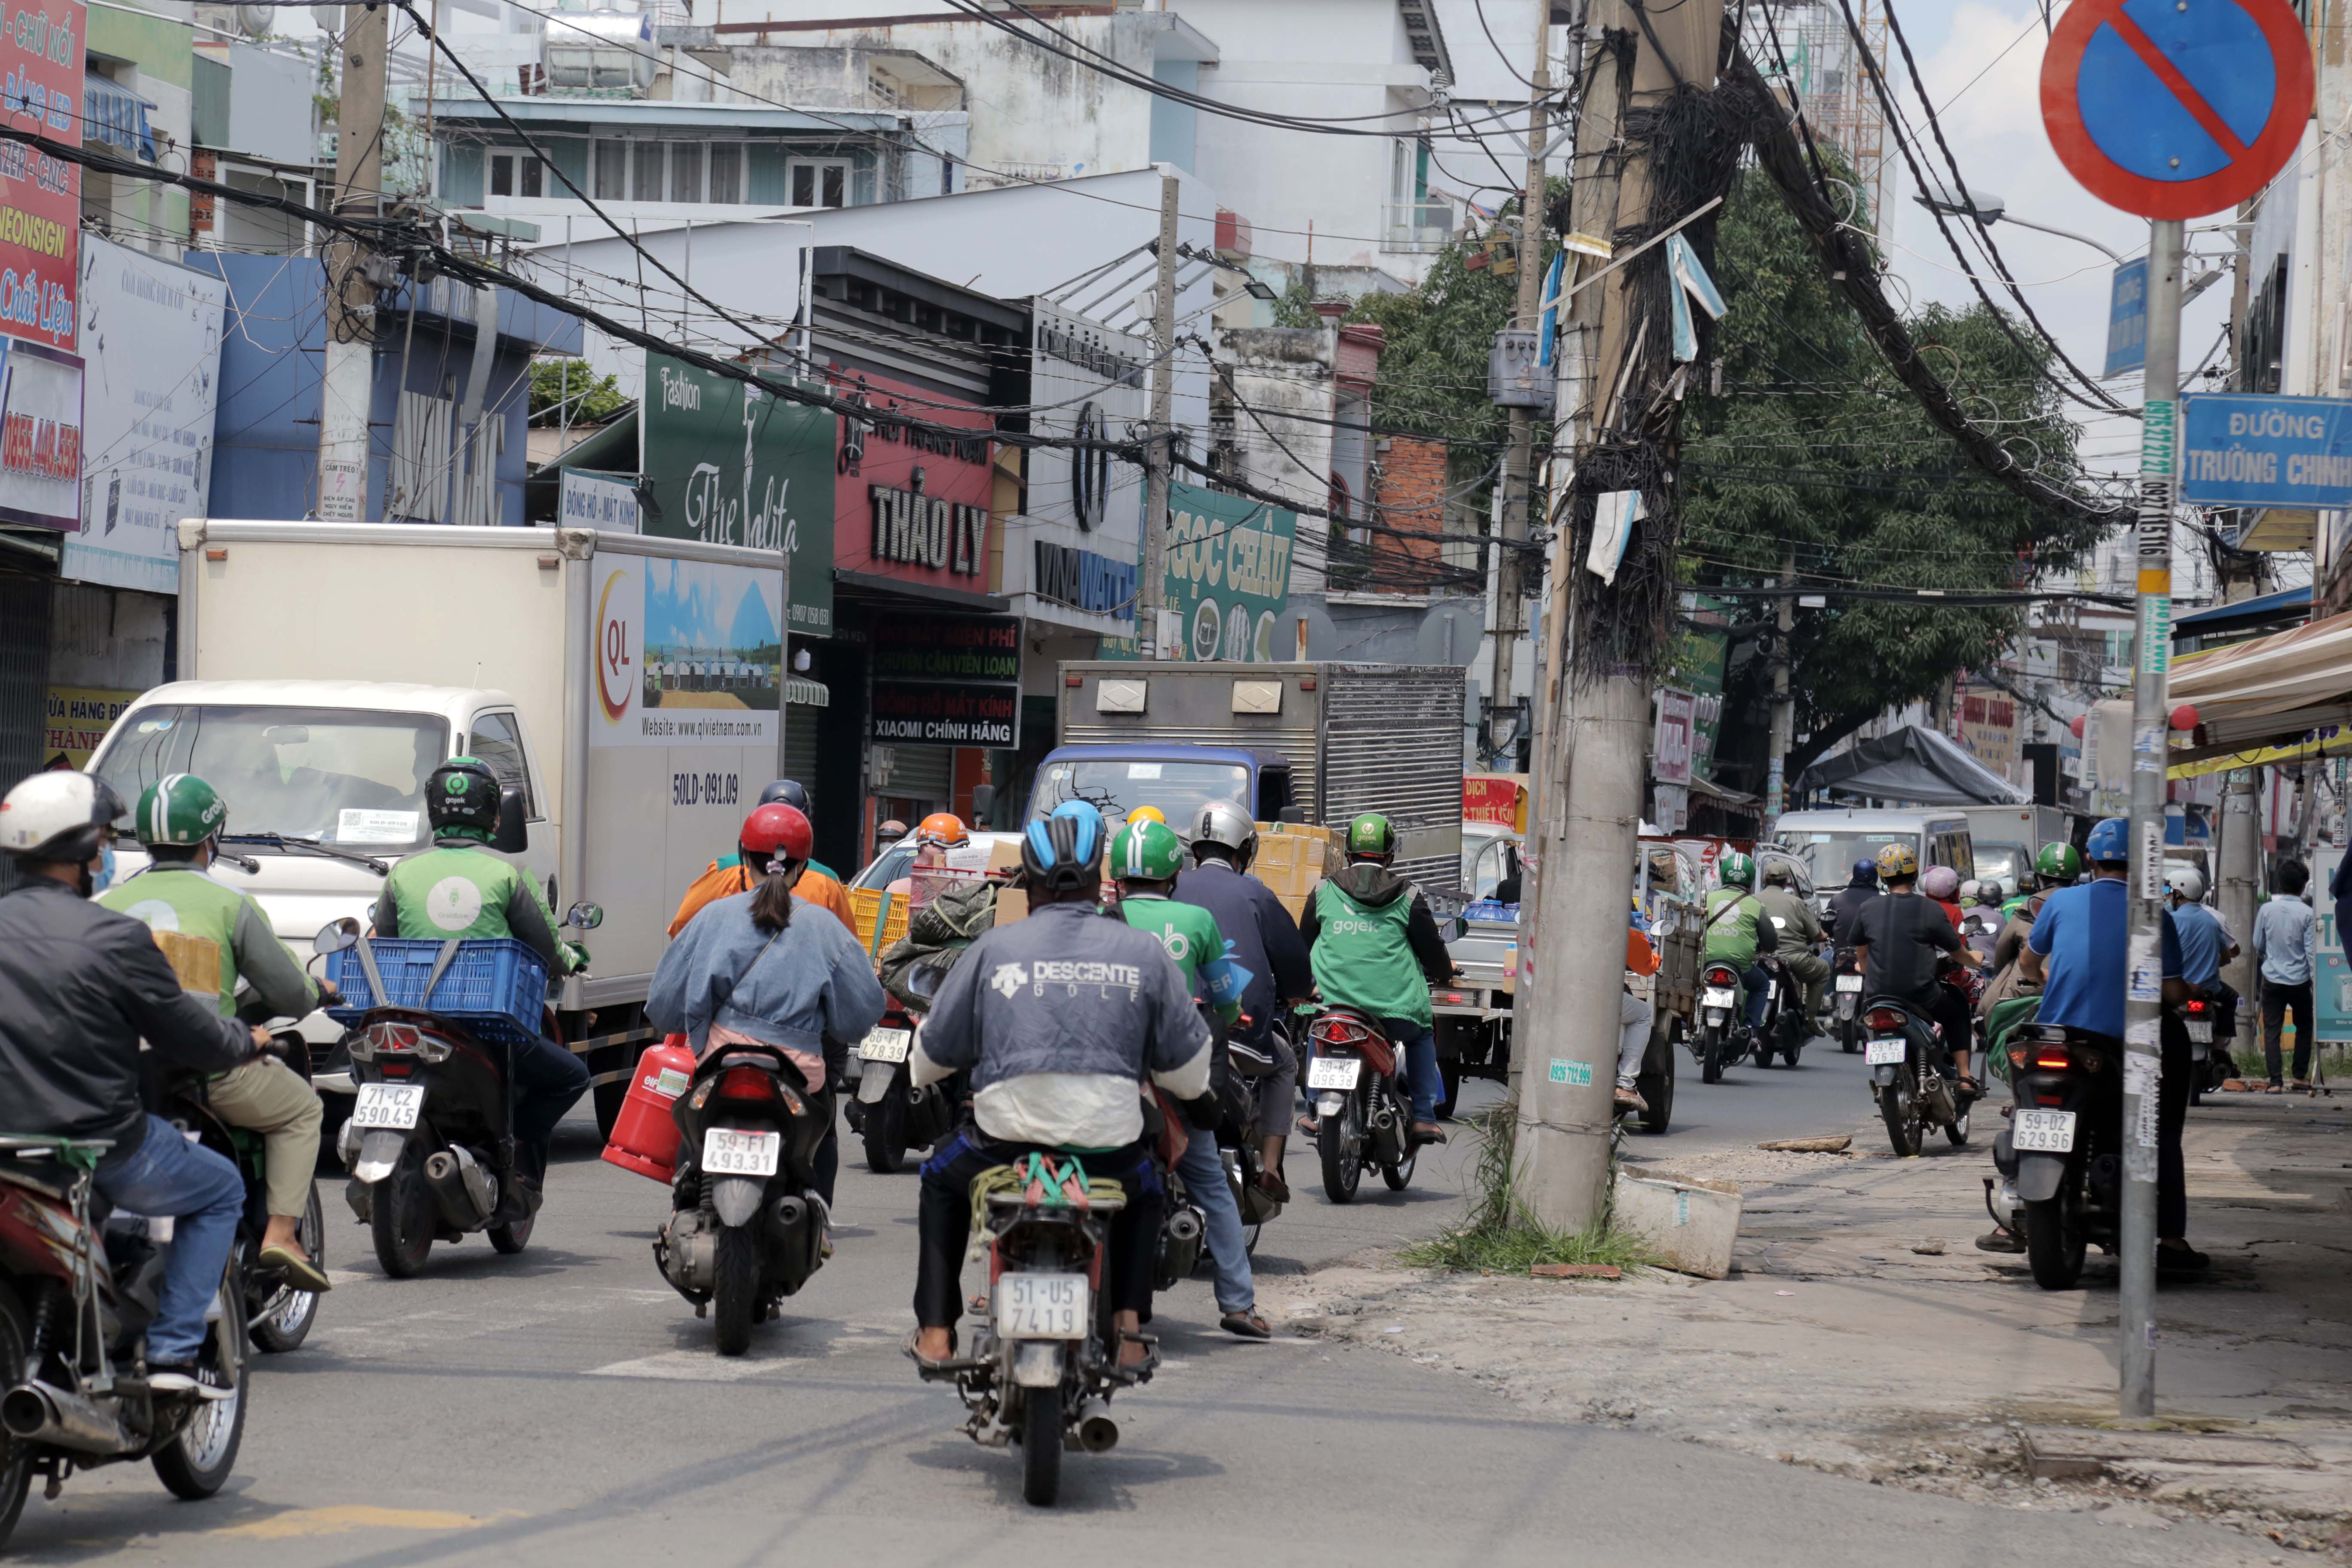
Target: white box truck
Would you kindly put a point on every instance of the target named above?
(631, 688)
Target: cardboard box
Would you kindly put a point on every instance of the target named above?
(1004, 855)
(1012, 904)
(1296, 904)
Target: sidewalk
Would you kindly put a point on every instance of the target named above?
(1862, 1333)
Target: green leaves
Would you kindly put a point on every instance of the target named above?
(591, 398)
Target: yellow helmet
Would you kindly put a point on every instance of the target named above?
(1148, 813)
(1897, 862)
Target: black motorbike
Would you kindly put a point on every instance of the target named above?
(1356, 1084)
(277, 1314)
(747, 1227)
(1239, 1139)
(1911, 1077)
(1786, 1029)
(1845, 1011)
(1721, 1039)
(2061, 1156)
(889, 1113)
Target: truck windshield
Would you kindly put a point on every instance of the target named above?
(1117, 787)
(1829, 856)
(338, 775)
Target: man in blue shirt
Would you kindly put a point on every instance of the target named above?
(2079, 950)
(2205, 946)
(2282, 942)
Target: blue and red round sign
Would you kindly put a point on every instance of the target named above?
(2175, 108)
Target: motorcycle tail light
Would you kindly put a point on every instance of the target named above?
(2194, 1009)
(398, 1070)
(1885, 1018)
(1721, 976)
(747, 1083)
(2048, 1100)
(2052, 1059)
(1454, 998)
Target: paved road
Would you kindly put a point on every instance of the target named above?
(565, 1408)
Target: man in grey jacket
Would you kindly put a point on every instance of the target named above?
(1059, 1018)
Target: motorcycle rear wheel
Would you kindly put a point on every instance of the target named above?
(1342, 1169)
(16, 1457)
(1399, 1176)
(1711, 1049)
(2055, 1242)
(735, 1294)
(1041, 1447)
(287, 1316)
(508, 1239)
(1955, 1130)
(886, 1133)
(401, 1220)
(196, 1464)
(1897, 1106)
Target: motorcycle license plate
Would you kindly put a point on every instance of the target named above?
(1717, 997)
(885, 1046)
(726, 1152)
(1042, 1307)
(1334, 1072)
(392, 1105)
(1886, 1053)
(1849, 981)
(2201, 1031)
(2043, 1132)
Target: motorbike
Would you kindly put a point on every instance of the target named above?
(1044, 1362)
(888, 1113)
(277, 1315)
(1845, 985)
(1366, 1115)
(77, 1295)
(2210, 1063)
(1909, 1078)
(748, 1227)
(2060, 1157)
(1786, 1029)
(1721, 1039)
(430, 1138)
(1244, 1158)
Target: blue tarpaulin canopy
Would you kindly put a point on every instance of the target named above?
(114, 114)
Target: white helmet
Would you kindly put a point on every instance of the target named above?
(57, 816)
(2185, 881)
(1971, 891)
(1223, 824)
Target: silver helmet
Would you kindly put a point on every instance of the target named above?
(1223, 823)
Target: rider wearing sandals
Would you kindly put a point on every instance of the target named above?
(1059, 1018)
(1899, 941)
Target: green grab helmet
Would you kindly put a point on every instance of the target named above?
(1371, 835)
(1146, 851)
(180, 808)
(2059, 863)
(1735, 870)
(462, 797)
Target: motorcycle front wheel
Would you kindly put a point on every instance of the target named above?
(282, 1320)
(2054, 1243)
(1336, 1144)
(401, 1219)
(735, 1295)
(1041, 1447)
(196, 1464)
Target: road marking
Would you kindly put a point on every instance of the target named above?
(697, 1366)
(343, 1518)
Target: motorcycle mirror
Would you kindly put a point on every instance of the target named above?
(584, 916)
(335, 936)
(923, 980)
(513, 836)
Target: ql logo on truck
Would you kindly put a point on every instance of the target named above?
(614, 685)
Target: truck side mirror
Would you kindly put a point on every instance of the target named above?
(983, 798)
(1292, 814)
(513, 836)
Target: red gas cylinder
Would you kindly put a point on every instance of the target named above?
(645, 1138)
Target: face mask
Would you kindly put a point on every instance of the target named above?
(105, 869)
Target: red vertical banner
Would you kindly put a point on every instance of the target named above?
(41, 65)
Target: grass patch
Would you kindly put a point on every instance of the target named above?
(1500, 1234)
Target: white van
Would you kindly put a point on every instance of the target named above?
(1830, 841)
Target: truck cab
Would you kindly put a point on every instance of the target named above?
(1177, 778)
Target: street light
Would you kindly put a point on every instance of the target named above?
(1988, 210)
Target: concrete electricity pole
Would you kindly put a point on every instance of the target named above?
(1784, 706)
(2144, 990)
(2240, 854)
(1518, 458)
(1149, 592)
(347, 388)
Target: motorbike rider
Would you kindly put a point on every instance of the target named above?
(180, 820)
(934, 837)
(1145, 856)
(2205, 945)
(1899, 940)
(730, 874)
(1375, 947)
(1797, 934)
(1266, 942)
(1738, 932)
(1859, 890)
(2079, 951)
(1058, 1018)
(747, 972)
(458, 889)
(1942, 884)
(81, 987)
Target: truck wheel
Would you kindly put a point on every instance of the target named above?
(1657, 1090)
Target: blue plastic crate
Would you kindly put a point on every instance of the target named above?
(496, 987)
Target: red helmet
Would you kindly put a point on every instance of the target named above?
(777, 829)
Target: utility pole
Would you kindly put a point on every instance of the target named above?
(2240, 858)
(347, 389)
(2144, 989)
(1149, 594)
(1518, 458)
(1784, 707)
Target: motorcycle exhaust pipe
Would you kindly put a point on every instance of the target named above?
(1098, 1434)
(1184, 1226)
(446, 1179)
(38, 1412)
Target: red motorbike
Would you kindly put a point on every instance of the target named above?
(77, 1291)
(1356, 1086)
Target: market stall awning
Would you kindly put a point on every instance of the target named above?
(2275, 698)
(116, 115)
(1912, 764)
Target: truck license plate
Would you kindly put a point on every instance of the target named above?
(727, 1152)
(1334, 1072)
(1849, 981)
(1716, 996)
(1042, 1307)
(1884, 1053)
(885, 1046)
(390, 1105)
(2043, 1132)
(2201, 1031)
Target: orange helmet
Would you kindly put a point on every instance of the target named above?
(941, 828)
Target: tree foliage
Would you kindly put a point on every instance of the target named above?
(594, 398)
(1813, 450)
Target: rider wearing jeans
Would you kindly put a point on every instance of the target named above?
(1376, 948)
(79, 986)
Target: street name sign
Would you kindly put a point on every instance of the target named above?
(2127, 318)
(2245, 449)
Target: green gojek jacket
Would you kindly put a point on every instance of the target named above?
(178, 897)
(1188, 931)
(457, 889)
(1364, 956)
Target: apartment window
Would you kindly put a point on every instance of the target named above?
(612, 169)
(819, 181)
(646, 170)
(517, 174)
(686, 171)
(726, 171)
